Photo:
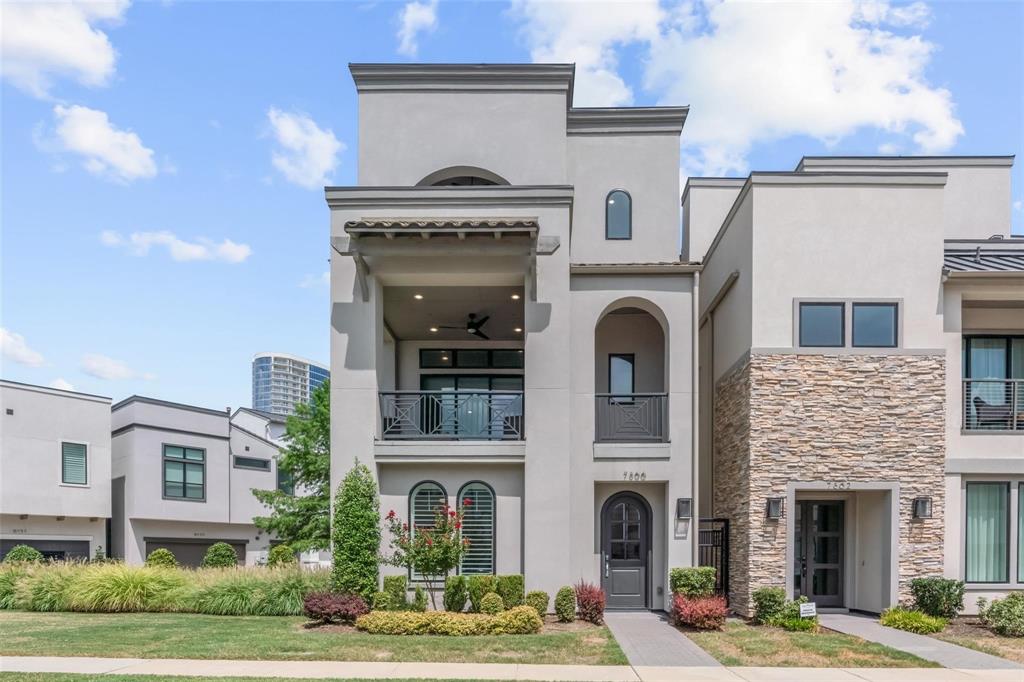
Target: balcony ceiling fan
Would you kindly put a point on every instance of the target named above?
(473, 325)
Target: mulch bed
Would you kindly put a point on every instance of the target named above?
(551, 626)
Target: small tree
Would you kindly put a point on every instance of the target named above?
(356, 534)
(432, 551)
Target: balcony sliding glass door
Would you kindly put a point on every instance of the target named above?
(472, 406)
(993, 382)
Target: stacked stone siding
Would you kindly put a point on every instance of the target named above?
(833, 418)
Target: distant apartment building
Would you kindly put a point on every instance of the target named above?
(281, 381)
(54, 471)
(183, 478)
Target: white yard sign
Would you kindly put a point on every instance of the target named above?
(809, 610)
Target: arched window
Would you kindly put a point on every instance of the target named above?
(618, 215)
(424, 500)
(478, 527)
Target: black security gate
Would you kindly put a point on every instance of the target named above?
(713, 550)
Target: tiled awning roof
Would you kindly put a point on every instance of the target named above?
(391, 227)
(989, 256)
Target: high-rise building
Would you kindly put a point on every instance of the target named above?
(280, 381)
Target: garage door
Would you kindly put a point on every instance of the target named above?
(191, 552)
(56, 550)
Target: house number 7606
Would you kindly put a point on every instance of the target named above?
(634, 476)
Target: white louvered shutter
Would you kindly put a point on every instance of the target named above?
(478, 527)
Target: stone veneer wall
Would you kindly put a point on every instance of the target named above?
(877, 418)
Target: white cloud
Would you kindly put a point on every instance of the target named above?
(62, 384)
(415, 18)
(107, 151)
(103, 367)
(315, 281)
(14, 347)
(1018, 205)
(140, 243)
(308, 154)
(757, 72)
(588, 34)
(41, 41)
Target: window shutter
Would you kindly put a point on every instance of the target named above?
(478, 528)
(73, 463)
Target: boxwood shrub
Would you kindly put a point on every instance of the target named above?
(220, 555)
(162, 556)
(511, 589)
(539, 600)
(938, 597)
(565, 605)
(477, 586)
(492, 604)
(692, 581)
(455, 593)
(23, 554)
(768, 603)
(521, 620)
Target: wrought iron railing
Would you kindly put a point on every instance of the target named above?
(993, 404)
(451, 415)
(631, 417)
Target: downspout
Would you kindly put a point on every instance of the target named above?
(695, 420)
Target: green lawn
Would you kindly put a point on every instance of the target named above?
(77, 677)
(180, 635)
(740, 644)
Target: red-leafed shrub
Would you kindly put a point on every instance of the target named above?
(704, 613)
(332, 607)
(590, 602)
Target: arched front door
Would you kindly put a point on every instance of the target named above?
(625, 548)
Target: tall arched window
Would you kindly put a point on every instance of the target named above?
(618, 215)
(478, 527)
(424, 500)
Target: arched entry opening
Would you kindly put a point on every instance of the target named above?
(461, 176)
(626, 551)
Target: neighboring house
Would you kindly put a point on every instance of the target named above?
(281, 381)
(511, 323)
(862, 376)
(183, 479)
(54, 471)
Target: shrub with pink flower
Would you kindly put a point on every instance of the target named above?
(432, 551)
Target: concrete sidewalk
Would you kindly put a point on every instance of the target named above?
(648, 640)
(486, 671)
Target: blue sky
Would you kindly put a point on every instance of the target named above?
(162, 163)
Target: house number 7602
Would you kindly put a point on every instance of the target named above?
(634, 476)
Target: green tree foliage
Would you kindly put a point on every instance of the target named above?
(220, 555)
(162, 556)
(356, 534)
(23, 554)
(303, 521)
(281, 555)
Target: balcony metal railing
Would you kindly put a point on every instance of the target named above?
(631, 417)
(451, 415)
(993, 404)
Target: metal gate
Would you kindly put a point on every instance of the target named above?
(713, 550)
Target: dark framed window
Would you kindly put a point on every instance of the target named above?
(252, 463)
(875, 325)
(74, 464)
(621, 373)
(478, 526)
(987, 532)
(285, 480)
(992, 356)
(507, 359)
(471, 358)
(432, 359)
(822, 325)
(184, 473)
(618, 215)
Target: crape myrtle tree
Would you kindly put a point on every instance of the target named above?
(303, 520)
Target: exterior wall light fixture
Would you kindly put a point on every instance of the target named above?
(922, 507)
(684, 508)
(773, 508)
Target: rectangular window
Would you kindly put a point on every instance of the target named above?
(987, 532)
(822, 325)
(184, 473)
(252, 463)
(74, 464)
(285, 482)
(430, 358)
(471, 358)
(620, 373)
(875, 325)
(507, 359)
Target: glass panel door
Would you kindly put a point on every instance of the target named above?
(820, 552)
(438, 411)
(473, 410)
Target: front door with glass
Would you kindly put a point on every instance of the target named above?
(625, 543)
(818, 570)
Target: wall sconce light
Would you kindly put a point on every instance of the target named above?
(684, 508)
(922, 507)
(773, 508)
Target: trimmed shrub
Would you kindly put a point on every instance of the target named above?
(355, 534)
(162, 558)
(912, 621)
(511, 589)
(455, 593)
(590, 602)
(477, 586)
(381, 601)
(492, 604)
(282, 555)
(703, 613)
(116, 588)
(768, 603)
(10, 576)
(938, 597)
(331, 607)
(519, 620)
(789, 618)
(425, 623)
(539, 600)
(693, 581)
(396, 587)
(220, 555)
(419, 600)
(1004, 616)
(23, 554)
(565, 605)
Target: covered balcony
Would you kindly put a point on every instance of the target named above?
(993, 387)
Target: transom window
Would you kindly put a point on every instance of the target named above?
(618, 215)
(478, 528)
(184, 473)
(471, 358)
(74, 465)
(252, 463)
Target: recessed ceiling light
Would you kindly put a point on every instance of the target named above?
(518, 329)
(418, 297)
(433, 330)
(515, 297)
